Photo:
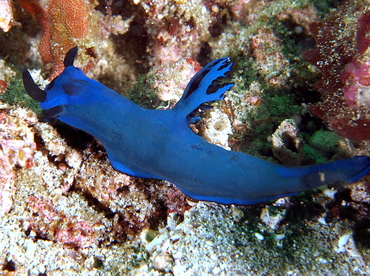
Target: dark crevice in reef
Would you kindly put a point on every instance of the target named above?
(9, 266)
(303, 212)
(204, 54)
(293, 31)
(120, 228)
(97, 205)
(160, 216)
(134, 41)
(218, 26)
(74, 137)
(361, 232)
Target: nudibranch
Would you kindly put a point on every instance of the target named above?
(159, 143)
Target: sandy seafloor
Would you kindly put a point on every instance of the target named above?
(65, 211)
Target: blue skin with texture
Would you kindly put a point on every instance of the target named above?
(159, 143)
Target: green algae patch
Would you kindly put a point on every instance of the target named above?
(325, 140)
(16, 95)
(142, 94)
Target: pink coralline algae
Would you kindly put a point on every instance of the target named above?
(7, 184)
(356, 76)
(344, 60)
(16, 150)
(357, 83)
(51, 223)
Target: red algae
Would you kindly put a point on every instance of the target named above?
(342, 58)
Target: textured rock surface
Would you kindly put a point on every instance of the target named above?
(65, 211)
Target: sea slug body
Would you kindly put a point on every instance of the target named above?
(159, 143)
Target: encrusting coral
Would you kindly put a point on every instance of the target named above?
(61, 22)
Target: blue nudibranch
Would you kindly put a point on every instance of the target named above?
(159, 143)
